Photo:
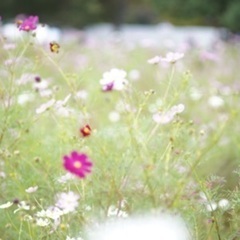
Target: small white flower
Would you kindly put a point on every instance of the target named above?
(44, 107)
(82, 94)
(65, 178)
(31, 189)
(41, 85)
(42, 222)
(215, 102)
(114, 116)
(67, 202)
(172, 57)
(2, 174)
(22, 206)
(154, 60)
(52, 213)
(166, 117)
(211, 206)
(24, 98)
(224, 204)
(6, 205)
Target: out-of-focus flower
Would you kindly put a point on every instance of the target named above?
(6, 205)
(28, 24)
(25, 98)
(82, 94)
(211, 206)
(171, 57)
(22, 206)
(65, 178)
(31, 189)
(44, 107)
(154, 227)
(67, 202)
(114, 116)
(166, 117)
(215, 101)
(86, 130)
(52, 213)
(224, 204)
(115, 79)
(154, 60)
(54, 47)
(78, 164)
(42, 222)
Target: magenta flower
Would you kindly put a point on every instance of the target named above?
(29, 24)
(78, 164)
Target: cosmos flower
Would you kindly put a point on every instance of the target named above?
(166, 117)
(115, 79)
(171, 57)
(6, 205)
(78, 164)
(28, 24)
(86, 130)
(67, 201)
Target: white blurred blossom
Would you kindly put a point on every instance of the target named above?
(31, 189)
(215, 101)
(153, 227)
(168, 116)
(115, 79)
(67, 201)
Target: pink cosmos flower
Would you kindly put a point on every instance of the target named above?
(78, 164)
(29, 24)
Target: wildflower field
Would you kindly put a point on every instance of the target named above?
(92, 131)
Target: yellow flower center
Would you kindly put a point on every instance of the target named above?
(77, 165)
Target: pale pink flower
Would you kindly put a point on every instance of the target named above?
(67, 201)
(115, 79)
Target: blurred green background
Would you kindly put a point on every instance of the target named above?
(79, 13)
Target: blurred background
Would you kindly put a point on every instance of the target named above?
(82, 13)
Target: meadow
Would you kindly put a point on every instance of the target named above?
(92, 131)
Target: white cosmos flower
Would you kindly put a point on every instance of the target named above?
(115, 79)
(172, 57)
(6, 205)
(166, 117)
(224, 204)
(44, 107)
(67, 201)
(154, 60)
(42, 222)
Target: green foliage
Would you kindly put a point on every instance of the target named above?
(231, 18)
